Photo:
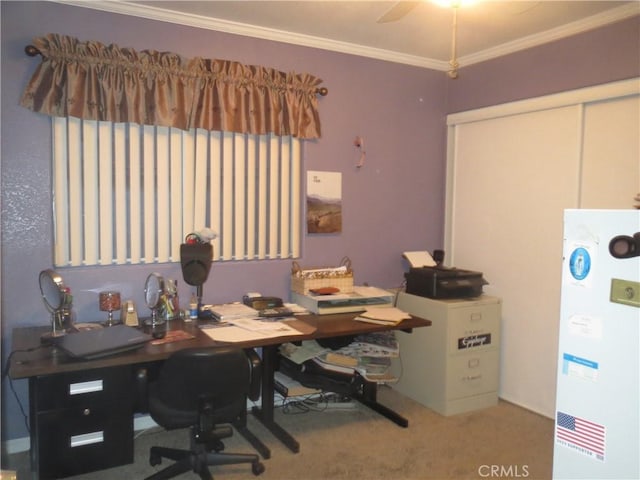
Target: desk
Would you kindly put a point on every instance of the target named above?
(45, 368)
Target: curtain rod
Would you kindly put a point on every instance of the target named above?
(32, 51)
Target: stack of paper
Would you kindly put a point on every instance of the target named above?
(369, 354)
(383, 315)
(303, 352)
(230, 311)
(419, 259)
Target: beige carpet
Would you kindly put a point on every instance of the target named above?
(358, 444)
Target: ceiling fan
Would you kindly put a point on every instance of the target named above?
(400, 9)
(397, 11)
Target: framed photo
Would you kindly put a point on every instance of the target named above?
(324, 202)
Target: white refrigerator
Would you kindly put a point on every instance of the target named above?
(597, 429)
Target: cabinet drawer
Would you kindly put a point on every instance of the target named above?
(474, 328)
(472, 374)
(80, 440)
(86, 388)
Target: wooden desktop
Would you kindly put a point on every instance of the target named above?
(81, 412)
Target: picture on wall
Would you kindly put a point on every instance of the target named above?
(324, 202)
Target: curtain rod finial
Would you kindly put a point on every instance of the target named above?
(323, 91)
(31, 50)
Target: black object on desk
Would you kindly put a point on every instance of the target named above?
(443, 282)
(102, 342)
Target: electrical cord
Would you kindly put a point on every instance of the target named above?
(5, 374)
(315, 402)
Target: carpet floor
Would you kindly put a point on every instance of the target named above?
(504, 441)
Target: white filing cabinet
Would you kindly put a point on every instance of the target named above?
(451, 366)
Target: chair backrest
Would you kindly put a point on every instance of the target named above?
(224, 375)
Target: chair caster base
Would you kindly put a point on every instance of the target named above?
(257, 468)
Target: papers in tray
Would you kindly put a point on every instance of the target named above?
(382, 315)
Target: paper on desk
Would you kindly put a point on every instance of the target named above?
(265, 327)
(383, 315)
(247, 329)
(230, 333)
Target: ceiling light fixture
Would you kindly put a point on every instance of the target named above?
(453, 72)
(402, 8)
(454, 5)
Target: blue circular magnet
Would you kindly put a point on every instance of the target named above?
(580, 263)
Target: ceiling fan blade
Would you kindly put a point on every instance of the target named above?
(396, 12)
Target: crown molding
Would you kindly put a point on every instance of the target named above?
(237, 28)
(573, 28)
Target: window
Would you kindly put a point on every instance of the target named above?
(126, 193)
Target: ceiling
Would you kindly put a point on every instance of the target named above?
(423, 37)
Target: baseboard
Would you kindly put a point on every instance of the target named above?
(527, 407)
(18, 445)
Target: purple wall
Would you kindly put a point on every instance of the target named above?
(394, 203)
(599, 56)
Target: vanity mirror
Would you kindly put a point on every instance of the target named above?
(57, 300)
(153, 290)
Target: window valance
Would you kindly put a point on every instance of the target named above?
(93, 81)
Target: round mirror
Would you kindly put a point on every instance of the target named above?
(153, 289)
(54, 295)
(52, 289)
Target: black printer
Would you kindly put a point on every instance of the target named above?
(444, 282)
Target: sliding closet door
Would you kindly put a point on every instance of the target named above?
(611, 153)
(512, 169)
(512, 178)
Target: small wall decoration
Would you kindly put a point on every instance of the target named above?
(324, 202)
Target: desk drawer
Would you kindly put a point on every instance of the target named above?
(86, 388)
(80, 440)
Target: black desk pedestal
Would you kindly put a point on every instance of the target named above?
(81, 421)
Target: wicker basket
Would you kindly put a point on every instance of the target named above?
(310, 279)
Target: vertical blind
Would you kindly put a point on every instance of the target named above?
(126, 193)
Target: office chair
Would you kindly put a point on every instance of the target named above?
(205, 389)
